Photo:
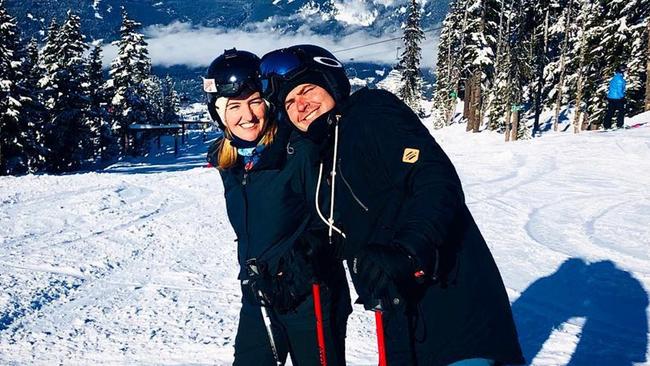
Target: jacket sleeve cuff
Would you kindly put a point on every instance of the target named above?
(422, 252)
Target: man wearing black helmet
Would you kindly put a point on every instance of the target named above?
(295, 299)
(411, 244)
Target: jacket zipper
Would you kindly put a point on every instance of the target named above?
(350, 189)
(243, 183)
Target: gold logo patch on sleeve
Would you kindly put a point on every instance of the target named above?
(410, 155)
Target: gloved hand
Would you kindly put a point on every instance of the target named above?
(287, 284)
(378, 267)
(320, 254)
(293, 280)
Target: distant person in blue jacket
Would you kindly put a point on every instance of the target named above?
(616, 98)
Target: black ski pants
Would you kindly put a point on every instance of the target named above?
(294, 333)
(614, 105)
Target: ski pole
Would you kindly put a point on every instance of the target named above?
(379, 321)
(269, 331)
(315, 287)
(381, 341)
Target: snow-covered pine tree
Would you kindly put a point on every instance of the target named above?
(47, 86)
(129, 70)
(559, 91)
(14, 137)
(152, 94)
(447, 66)
(584, 61)
(31, 70)
(67, 135)
(477, 56)
(498, 96)
(411, 88)
(579, 74)
(517, 58)
(48, 59)
(97, 122)
(540, 16)
(33, 109)
(647, 69)
(637, 17)
(171, 101)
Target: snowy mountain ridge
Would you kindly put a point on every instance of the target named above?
(334, 17)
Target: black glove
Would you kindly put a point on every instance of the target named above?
(319, 253)
(288, 285)
(294, 279)
(380, 268)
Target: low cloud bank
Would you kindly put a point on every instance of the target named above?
(184, 44)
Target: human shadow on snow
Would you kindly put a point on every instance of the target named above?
(612, 302)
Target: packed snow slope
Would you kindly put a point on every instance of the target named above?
(136, 265)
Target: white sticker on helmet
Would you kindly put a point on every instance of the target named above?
(209, 86)
(327, 61)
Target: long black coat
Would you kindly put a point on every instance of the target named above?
(395, 185)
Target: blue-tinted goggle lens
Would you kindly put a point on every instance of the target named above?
(279, 63)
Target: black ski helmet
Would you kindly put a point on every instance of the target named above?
(228, 75)
(284, 69)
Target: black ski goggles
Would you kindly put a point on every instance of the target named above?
(230, 89)
(280, 65)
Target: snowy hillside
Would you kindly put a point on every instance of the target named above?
(137, 264)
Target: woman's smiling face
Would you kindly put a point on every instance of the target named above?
(246, 115)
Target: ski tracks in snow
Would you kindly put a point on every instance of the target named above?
(127, 262)
(582, 196)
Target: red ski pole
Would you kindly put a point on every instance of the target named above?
(381, 342)
(319, 324)
(379, 321)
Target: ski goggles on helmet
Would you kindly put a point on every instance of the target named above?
(280, 65)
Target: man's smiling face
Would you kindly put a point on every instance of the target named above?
(305, 103)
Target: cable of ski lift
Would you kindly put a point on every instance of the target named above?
(382, 41)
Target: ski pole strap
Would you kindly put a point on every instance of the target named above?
(381, 341)
(318, 310)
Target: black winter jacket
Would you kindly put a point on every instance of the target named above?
(396, 186)
(270, 206)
